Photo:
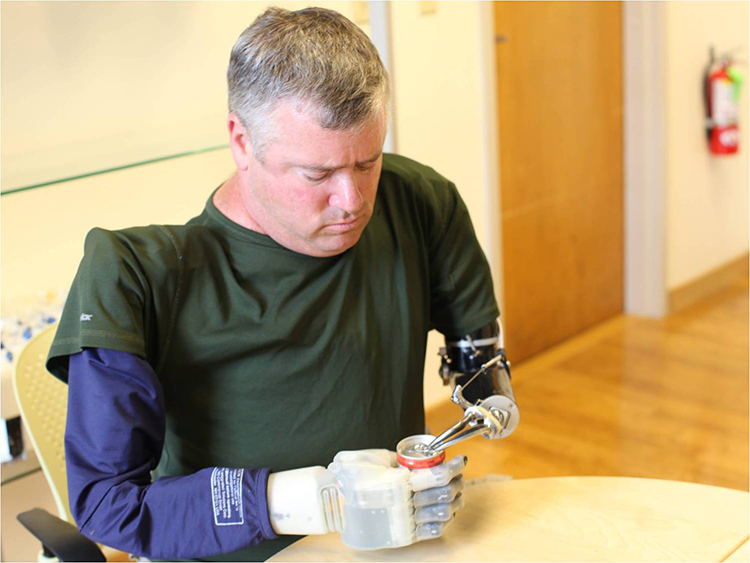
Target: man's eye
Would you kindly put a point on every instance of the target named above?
(315, 178)
(364, 168)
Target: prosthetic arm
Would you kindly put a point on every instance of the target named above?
(477, 365)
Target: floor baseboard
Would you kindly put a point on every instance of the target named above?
(708, 284)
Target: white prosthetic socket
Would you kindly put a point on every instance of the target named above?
(304, 502)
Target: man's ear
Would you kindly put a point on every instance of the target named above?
(239, 141)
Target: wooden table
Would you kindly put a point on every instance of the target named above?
(572, 519)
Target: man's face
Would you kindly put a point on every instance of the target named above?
(314, 190)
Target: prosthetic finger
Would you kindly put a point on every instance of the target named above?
(439, 494)
(383, 458)
(438, 512)
(437, 476)
(432, 530)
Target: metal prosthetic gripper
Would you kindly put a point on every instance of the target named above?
(494, 417)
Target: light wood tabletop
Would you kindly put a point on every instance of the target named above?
(572, 519)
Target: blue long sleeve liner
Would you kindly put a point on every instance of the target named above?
(114, 438)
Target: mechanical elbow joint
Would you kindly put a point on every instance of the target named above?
(476, 364)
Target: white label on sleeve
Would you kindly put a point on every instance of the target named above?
(226, 494)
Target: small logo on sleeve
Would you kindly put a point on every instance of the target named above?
(85, 317)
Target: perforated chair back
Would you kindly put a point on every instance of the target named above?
(43, 402)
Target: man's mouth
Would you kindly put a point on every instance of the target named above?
(345, 225)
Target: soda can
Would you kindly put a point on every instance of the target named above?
(412, 452)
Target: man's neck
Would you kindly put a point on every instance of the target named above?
(228, 200)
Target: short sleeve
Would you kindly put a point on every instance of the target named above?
(108, 303)
(462, 293)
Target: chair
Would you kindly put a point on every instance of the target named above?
(43, 402)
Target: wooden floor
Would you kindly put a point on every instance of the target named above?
(636, 397)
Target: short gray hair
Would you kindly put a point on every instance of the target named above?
(316, 56)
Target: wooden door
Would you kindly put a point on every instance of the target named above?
(560, 124)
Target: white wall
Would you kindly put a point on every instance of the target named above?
(707, 196)
(444, 105)
(90, 85)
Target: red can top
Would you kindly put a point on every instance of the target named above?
(411, 452)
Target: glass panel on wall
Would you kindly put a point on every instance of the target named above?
(89, 86)
(95, 86)
(26, 170)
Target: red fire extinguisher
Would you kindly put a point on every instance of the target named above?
(721, 93)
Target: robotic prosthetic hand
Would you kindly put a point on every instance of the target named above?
(386, 505)
(477, 365)
(366, 496)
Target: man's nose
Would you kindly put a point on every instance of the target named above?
(346, 194)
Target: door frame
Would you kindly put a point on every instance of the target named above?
(644, 158)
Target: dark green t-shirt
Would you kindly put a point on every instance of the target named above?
(270, 358)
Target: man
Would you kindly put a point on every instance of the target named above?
(286, 323)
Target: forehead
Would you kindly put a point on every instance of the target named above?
(297, 137)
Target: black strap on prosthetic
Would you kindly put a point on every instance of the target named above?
(463, 356)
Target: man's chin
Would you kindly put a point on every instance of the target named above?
(332, 245)
(323, 243)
